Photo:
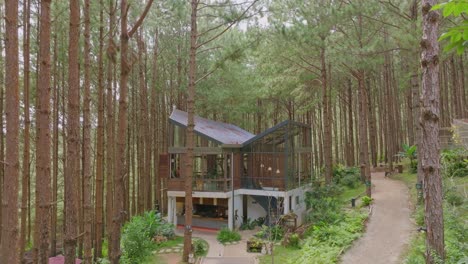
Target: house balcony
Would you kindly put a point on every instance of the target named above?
(201, 183)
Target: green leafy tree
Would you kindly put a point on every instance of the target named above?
(456, 35)
(409, 152)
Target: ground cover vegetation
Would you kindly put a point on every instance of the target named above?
(333, 224)
(455, 210)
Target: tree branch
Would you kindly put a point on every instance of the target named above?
(140, 20)
(229, 26)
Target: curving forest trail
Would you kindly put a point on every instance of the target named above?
(389, 228)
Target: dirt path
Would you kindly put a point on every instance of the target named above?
(389, 229)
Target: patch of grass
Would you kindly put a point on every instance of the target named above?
(280, 254)
(153, 259)
(170, 243)
(349, 193)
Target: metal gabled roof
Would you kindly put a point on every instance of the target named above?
(221, 133)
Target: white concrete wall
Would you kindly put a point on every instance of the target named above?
(298, 208)
(254, 209)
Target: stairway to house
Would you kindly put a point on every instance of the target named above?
(271, 206)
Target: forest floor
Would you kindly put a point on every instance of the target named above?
(389, 228)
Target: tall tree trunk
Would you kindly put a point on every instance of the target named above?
(2, 146)
(118, 211)
(327, 119)
(156, 128)
(363, 137)
(87, 187)
(190, 131)
(371, 123)
(462, 87)
(430, 146)
(10, 228)
(43, 190)
(72, 172)
(351, 160)
(55, 148)
(25, 188)
(99, 208)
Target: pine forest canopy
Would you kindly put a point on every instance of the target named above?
(87, 87)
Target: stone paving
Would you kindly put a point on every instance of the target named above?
(175, 249)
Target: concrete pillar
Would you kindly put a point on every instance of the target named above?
(171, 210)
(230, 214)
(286, 203)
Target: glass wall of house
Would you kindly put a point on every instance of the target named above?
(278, 159)
(211, 172)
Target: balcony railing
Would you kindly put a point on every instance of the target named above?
(201, 184)
(273, 183)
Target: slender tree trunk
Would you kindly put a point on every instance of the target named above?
(430, 147)
(99, 208)
(111, 54)
(155, 114)
(10, 228)
(327, 119)
(190, 131)
(72, 172)
(55, 147)
(352, 159)
(2, 135)
(43, 189)
(363, 136)
(371, 123)
(27, 123)
(87, 188)
(118, 211)
(462, 87)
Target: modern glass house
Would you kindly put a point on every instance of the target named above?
(238, 175)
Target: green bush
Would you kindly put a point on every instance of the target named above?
(455, 162)
(322, 204)
(225, 235)
(454, 199)
(200, 247)
(366, 200)
(274, 232)
(294, 241)
(346, 176)
(137, 236)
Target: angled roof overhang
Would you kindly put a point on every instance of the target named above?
(218, 132)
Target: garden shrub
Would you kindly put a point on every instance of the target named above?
(248, 225)
(274, 232)
(225, 235)
(346, 176)
(322, 204)
(455, 162)
(200, 247)
(366, 200)
(138, 233)
(294, 241)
